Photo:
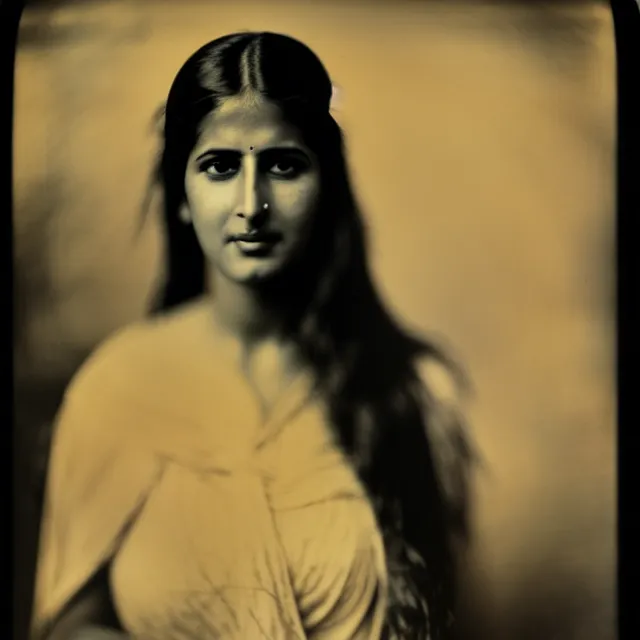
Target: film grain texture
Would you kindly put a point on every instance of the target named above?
(481, 139)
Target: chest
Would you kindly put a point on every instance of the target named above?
(224, 548)
(251, 514)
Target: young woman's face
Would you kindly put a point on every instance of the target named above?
(252, 190)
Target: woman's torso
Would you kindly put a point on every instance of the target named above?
(256, 528)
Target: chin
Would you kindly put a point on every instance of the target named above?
(255, 275)
(253, 271)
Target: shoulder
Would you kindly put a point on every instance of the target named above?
(124, 391)
(448, 431)
(135, 357)
(446, 399)
(129, 382)
(443, 381)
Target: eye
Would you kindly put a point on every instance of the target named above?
(285, 168)
(288, 166)
(220, 168)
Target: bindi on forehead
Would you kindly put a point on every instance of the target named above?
(245, 129)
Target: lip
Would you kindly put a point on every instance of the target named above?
(257, 237)
(256, 244)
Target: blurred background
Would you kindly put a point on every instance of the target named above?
(481, 138)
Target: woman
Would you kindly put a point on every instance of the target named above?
(276, 458)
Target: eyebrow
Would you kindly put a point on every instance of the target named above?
(282, 148)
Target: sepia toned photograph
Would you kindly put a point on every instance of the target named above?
(314, 326)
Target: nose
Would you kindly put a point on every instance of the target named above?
(250, 204)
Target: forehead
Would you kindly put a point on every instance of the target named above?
(244, 122)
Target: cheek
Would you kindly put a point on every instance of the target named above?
(297, 202)
(209, 203)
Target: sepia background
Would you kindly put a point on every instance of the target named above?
(481, 138)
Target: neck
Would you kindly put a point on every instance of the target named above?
(251, 315)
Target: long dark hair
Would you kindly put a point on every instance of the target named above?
(363, 361)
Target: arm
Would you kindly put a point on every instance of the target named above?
(97, 481)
